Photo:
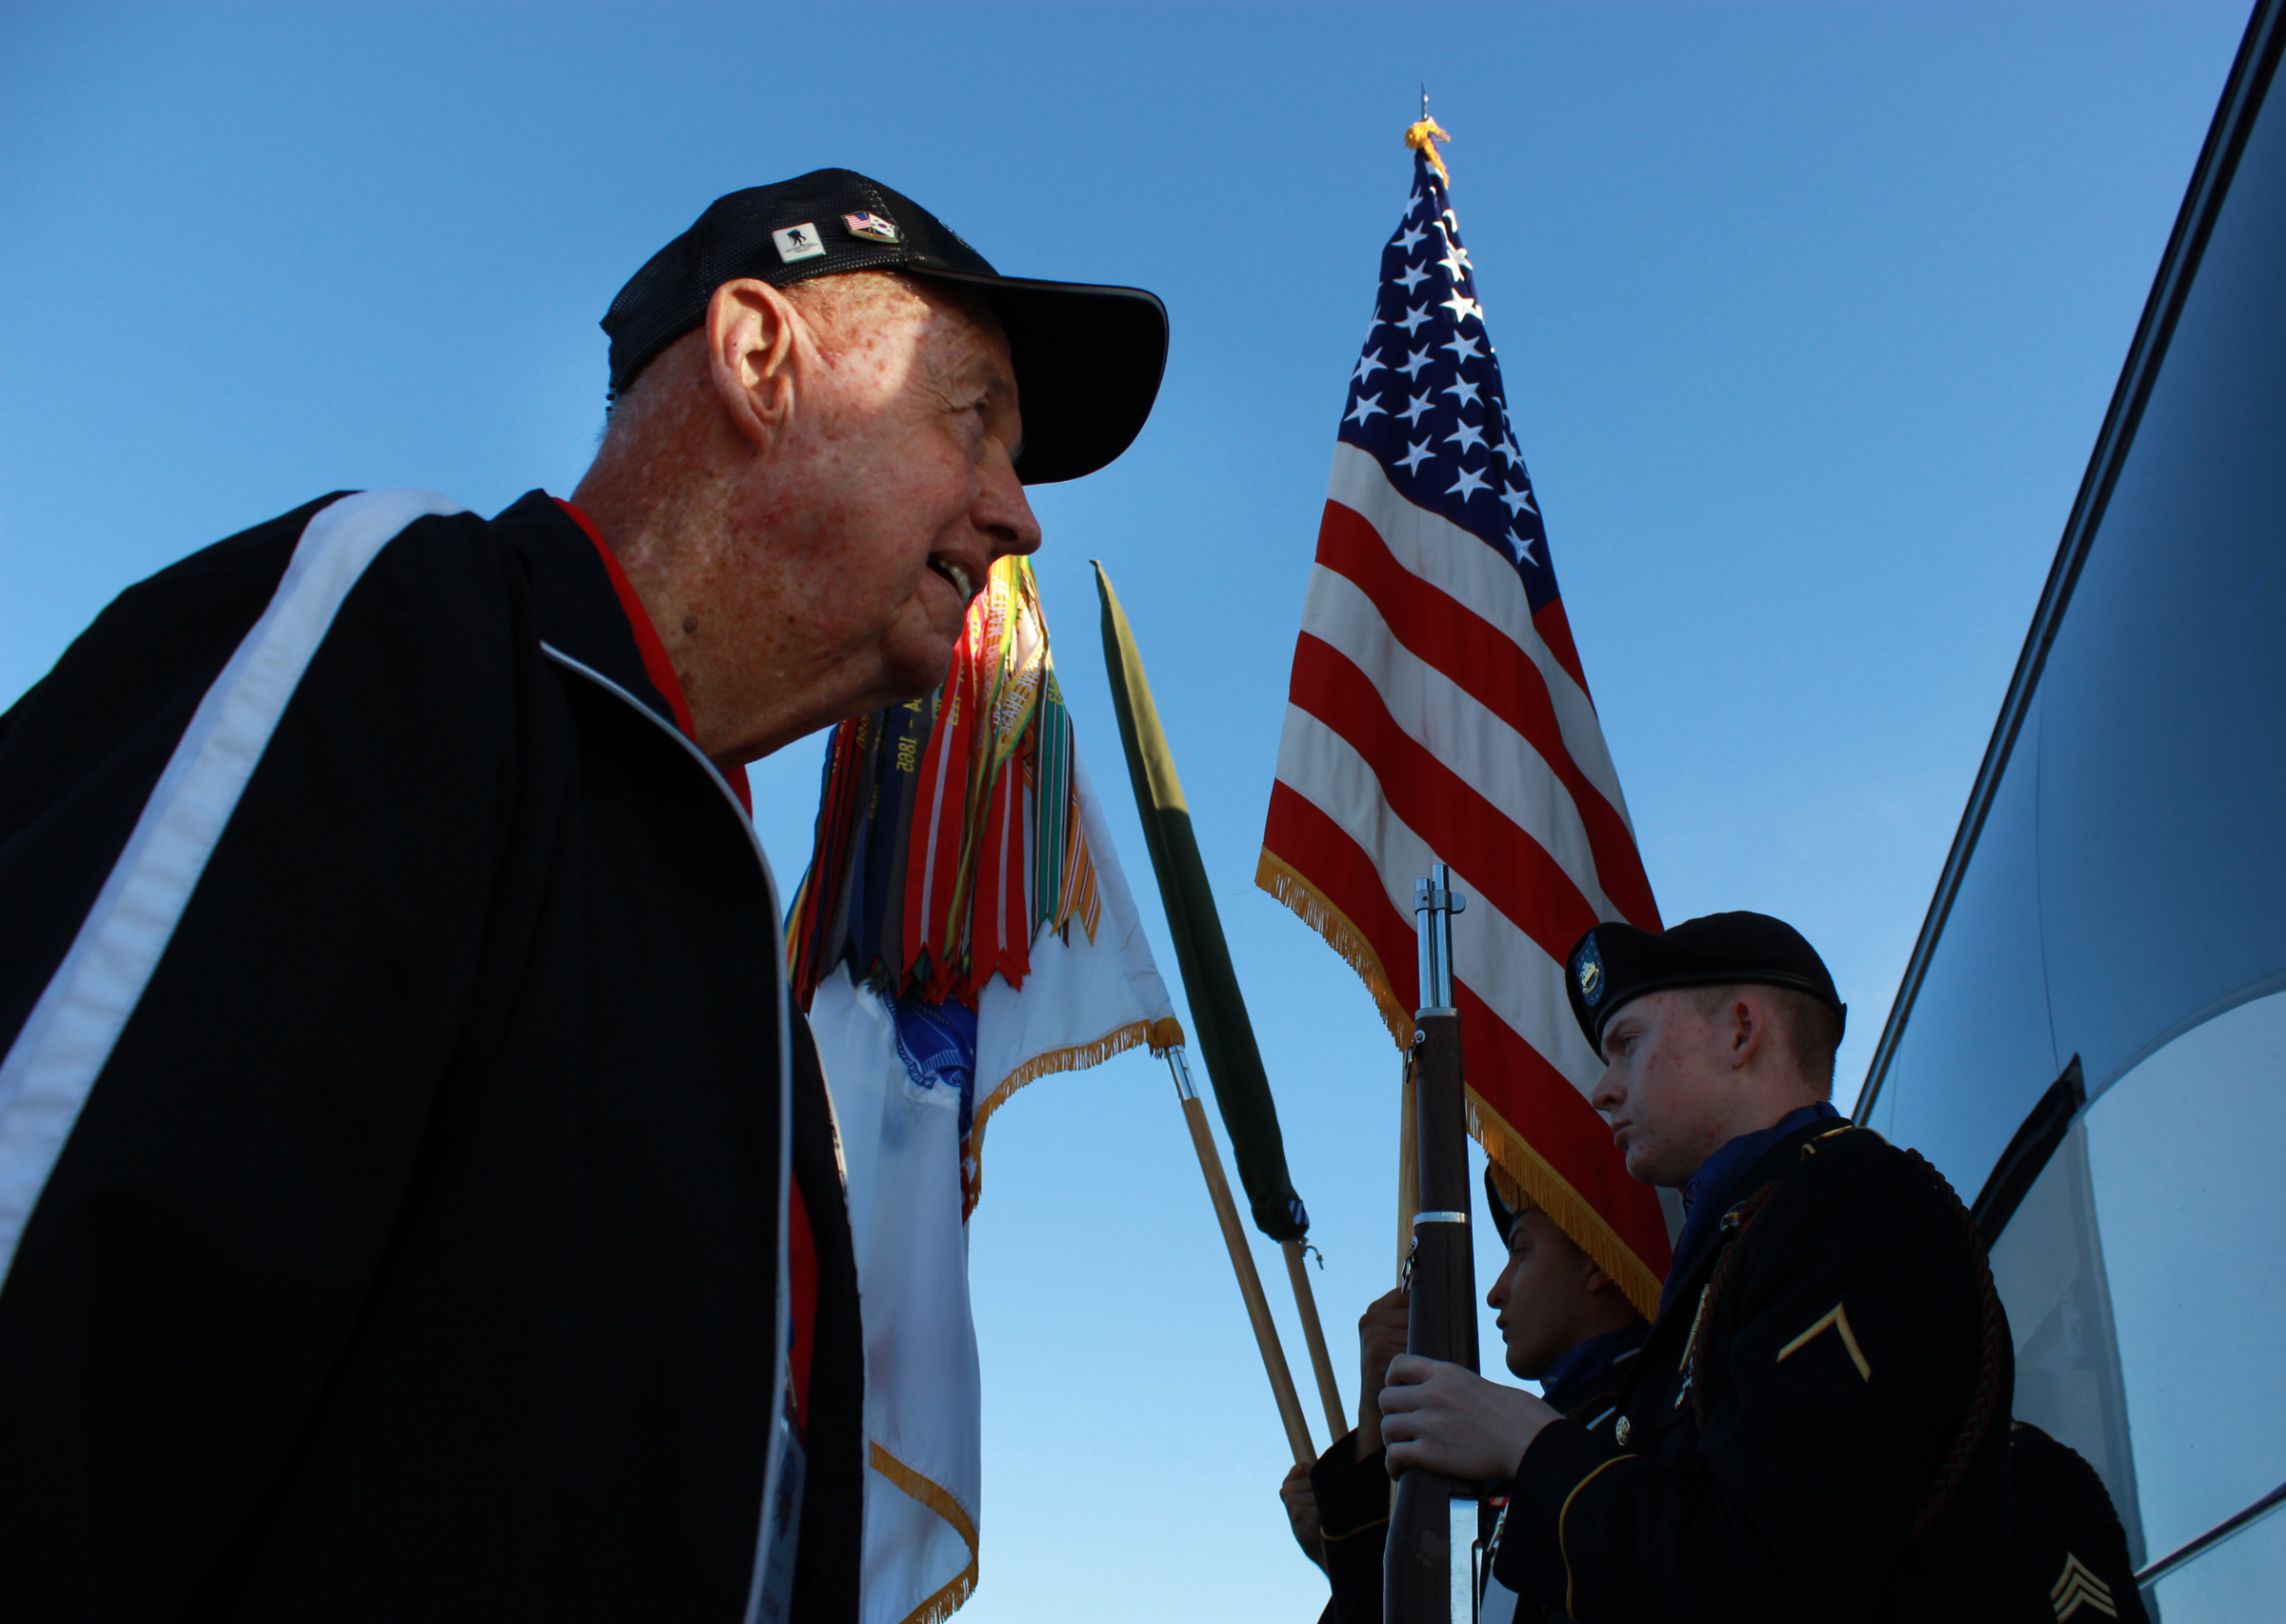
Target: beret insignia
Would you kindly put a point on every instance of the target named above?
(1589, 968)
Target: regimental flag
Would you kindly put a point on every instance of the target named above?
(1439, 712)
(964, 928)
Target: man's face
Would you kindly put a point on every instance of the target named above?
(1542, 1295)
(898, 476)
(1668, 1091)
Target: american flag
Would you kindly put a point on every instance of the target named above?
(1439, 712)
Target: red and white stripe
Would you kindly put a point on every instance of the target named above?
(1432, 717)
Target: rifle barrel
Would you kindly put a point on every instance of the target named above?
(1417, 1563)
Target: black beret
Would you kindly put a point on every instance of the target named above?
(1614, 963)
(1088, 357)
(1503, 1215)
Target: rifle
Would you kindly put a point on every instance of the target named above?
(1424, 1579)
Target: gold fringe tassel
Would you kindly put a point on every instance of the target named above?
(1160, 1035)
(1545, 1187)
(1274, 875)
(1548, 1190)
(937, 1498)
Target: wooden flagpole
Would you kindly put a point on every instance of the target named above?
(1305, 1301)
(1226, 1037)
(1242, 1260)
(1409, 1168)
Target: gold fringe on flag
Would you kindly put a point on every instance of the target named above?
(1543, 1187)
(1161, 1035)
(1516, 1160)
(938, 1500)
(1274, 876)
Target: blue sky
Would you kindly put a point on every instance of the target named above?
(1807, 316)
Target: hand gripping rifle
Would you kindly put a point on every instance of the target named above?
(1425, 1579)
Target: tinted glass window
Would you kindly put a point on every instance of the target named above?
(2184, 1153)
(2241, 1579)
(2138, 822)
(2162, 754)
(1976, 1055)
(2048, 1266)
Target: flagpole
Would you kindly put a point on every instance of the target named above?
(1226, 1037)
(1329, 1393)
(1242, 1260)
(1409, 1168)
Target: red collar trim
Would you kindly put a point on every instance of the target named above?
(655, 663)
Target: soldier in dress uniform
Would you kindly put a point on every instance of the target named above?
(1566, 1325)
(1817, 1427)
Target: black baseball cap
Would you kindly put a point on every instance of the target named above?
(1087, 357)
(1614, 963)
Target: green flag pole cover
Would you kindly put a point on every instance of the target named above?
(1226, 1037)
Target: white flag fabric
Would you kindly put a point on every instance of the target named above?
(897, 1088)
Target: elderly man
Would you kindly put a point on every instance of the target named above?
(417, 1197)
(1817, 1425)
(1565, 1324)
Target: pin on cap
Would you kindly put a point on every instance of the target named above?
(798, 243)
(1087, 357)
(1614, 963)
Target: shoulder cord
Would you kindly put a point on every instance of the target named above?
(1985, 1398)
(1733, 1222)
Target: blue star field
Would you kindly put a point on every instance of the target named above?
(1426, 399)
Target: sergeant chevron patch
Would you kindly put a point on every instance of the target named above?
(2077, 1587)
(1838, 1318)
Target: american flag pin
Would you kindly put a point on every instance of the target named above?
(873, 227)
(799, 242)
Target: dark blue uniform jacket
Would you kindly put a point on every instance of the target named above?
(1789, 1422)
(1353, 1494)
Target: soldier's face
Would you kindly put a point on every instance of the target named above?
(1542, 1295)
(1668, 1091)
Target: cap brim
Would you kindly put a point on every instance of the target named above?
(1088, 358)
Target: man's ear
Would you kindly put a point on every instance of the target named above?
(1749, 1028)
(753, 356)
(1595, 1279)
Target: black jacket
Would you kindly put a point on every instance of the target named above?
(414, 1253)
(1777, 1476)
(1352, 1495)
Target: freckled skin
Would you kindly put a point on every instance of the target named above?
(784, 478)
(1681, 1083)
